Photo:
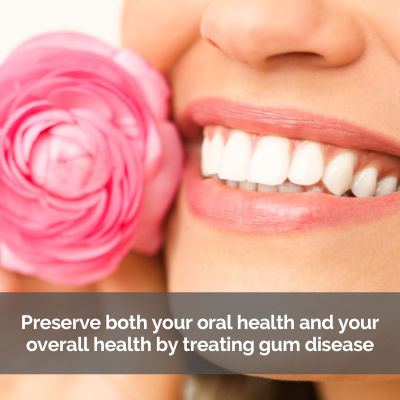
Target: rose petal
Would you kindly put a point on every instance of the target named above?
(71, 98)
(149, 236)
(152, 82)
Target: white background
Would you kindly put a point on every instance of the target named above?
(22, 19)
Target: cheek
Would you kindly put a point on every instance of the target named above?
(386, 24)
(202, 258)
(161, 30)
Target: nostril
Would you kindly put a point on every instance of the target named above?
(297, 56)
(212, 43)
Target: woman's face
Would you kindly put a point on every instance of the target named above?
(298, 102)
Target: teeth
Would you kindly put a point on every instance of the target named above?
(267, 188)
(205, 150)
(214, 152)
(316, 189)
(364, 184)
(216, 178)
(264, 164)
(236, 157)
(307, 165)
(289, 187)
(386, 186)
(232, 184)
(270, 162)
(338, 175)
(246, 185)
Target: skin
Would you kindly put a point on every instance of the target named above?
(338, 59)
(387, 390)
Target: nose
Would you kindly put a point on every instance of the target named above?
(256, 32)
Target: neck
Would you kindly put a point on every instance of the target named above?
(382, 390)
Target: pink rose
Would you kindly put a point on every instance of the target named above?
(89, 163)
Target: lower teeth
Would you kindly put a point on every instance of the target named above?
(285, 187)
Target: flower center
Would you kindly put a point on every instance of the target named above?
(59, 163)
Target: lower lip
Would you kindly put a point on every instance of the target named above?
(269, 213)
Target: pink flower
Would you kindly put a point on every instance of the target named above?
(89, 163)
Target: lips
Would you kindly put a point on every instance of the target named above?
(249, 210)
(287, 123)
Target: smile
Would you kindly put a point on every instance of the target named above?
(280, 181)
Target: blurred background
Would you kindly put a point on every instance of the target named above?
(23, 19)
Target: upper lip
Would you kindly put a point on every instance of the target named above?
(283, 122)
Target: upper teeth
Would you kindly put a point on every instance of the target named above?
(271, 161)
(272, 164)
(364, 183)
(338, 174)
(236, 157)
(307, 165)
(212, 151)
